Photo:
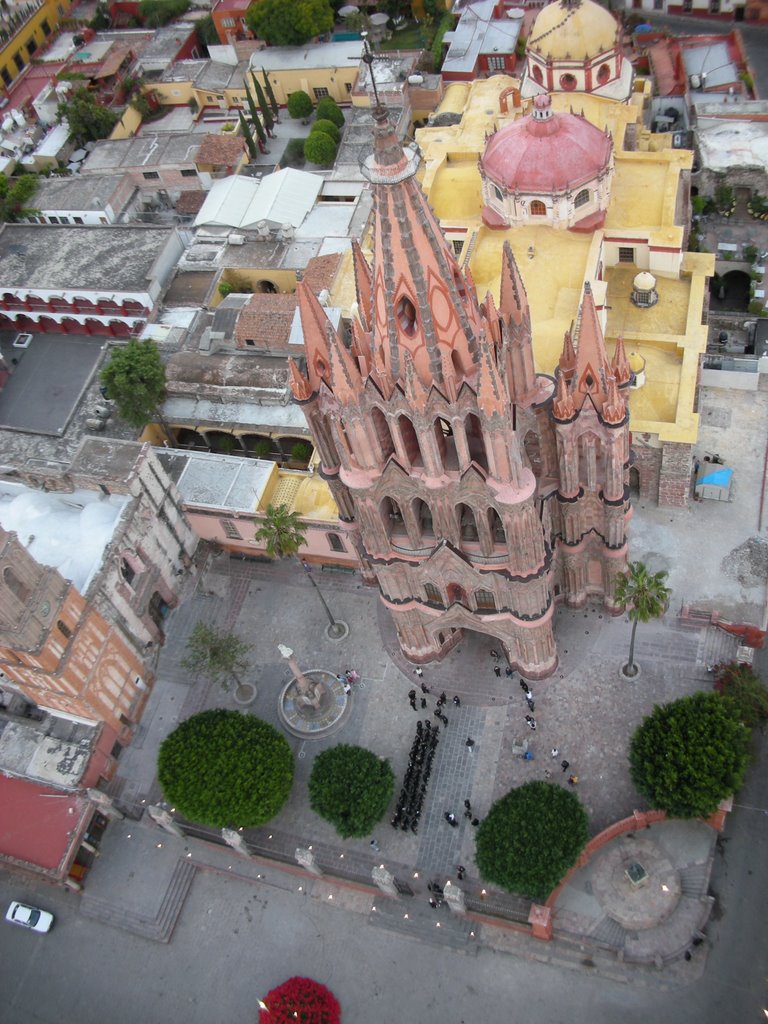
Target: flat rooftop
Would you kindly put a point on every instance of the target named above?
(144, 151)
(48, 380)
(111, 257)
(75, 192)
(217, 481)
(28, 752)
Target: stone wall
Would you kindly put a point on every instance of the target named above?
(647, 462)
(675, 475)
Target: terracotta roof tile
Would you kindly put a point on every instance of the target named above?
(191, 201)
(224, 149)
(266, 321)
(321, 272)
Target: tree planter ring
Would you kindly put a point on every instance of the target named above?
(244, 694)
(625, 677)
(337, 632)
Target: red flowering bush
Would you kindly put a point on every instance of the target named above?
(300, 999)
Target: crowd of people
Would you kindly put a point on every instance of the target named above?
(409, 803)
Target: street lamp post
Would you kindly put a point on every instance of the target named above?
(335, 629)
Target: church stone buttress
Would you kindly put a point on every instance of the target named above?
(458, 483)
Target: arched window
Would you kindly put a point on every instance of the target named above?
(499, 193)
(335, 542)
(496, 527)
(383, 434)
(410, 441)
(485, 601)
(538, 209)
(467, 523)
(537, 74)
(433, 593)
(406, 316)
(475, 441)
(423, 515)
(64, 629)
(603, 73)
(582, 198)
(19, 589)
(568, 82)
(392, 519)
(446, 444)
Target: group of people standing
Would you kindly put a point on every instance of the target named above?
(409, 803)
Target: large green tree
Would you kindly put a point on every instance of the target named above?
(531, 838)
(320, 149)
(88, 120)
(135, 379)
(219, 654)
(689, 755)
(156, 13)
(329, 110)
(647, 596)
(226, 769)
(300, 105)
(15, 194)
(289, 24)
(351, 788)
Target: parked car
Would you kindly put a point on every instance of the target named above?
(29, 917)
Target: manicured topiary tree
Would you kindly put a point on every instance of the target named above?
(320, 149)
(300, 999)
(350, 787)
(531, 838)
(689, 755)
(741, 683)
(300, 105)
(328, 127)
(224, 768)
(329, 110)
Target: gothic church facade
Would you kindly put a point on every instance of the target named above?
(477, 492)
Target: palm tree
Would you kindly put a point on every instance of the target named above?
(648, 596)
(283, 535)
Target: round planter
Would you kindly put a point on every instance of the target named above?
(337, 632)
(627, 678)
(244, 694)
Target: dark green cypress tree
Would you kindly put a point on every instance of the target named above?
(252, 150)
(251, 105)
(270, 93)
(261, 99)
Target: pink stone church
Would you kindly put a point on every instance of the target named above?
(477, 492)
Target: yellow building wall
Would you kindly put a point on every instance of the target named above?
(128, 124)
(32, 30)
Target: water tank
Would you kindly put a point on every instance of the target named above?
(8, 123)
(235, 239)
(18, 117)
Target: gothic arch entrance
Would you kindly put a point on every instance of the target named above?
(456, 594)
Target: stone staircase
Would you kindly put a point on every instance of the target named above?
(158, 928)
(609, 933)
(694, 879)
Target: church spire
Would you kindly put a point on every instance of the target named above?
(422, 302)
(620, 364)
(592, 371)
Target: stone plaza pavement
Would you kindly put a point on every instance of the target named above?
(584, 709)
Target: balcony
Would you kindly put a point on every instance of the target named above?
(13, 19)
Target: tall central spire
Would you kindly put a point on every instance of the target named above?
(423, 303)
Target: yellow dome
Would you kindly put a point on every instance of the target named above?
(574, 29)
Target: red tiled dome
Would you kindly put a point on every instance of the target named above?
(546, 152)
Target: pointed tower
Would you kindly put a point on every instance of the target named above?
(591, 422)
(414, 412)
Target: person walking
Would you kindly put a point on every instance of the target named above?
(529, 701)
(555, 752)
(460, 872)
(419, 671)
(565, 765)
(423, 703)
(450, 817)
(374, 846)
(457, 702)
(494, 654)
(412, 699)
(424, 688)
(509, 672)
(573, 780)
(524, 685)
(442, 698)
(496, 671)
(469, 744)
(531, 722)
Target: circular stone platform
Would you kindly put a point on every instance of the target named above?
(308, 722)
(636, 884)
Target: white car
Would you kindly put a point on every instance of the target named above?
(29, 917)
